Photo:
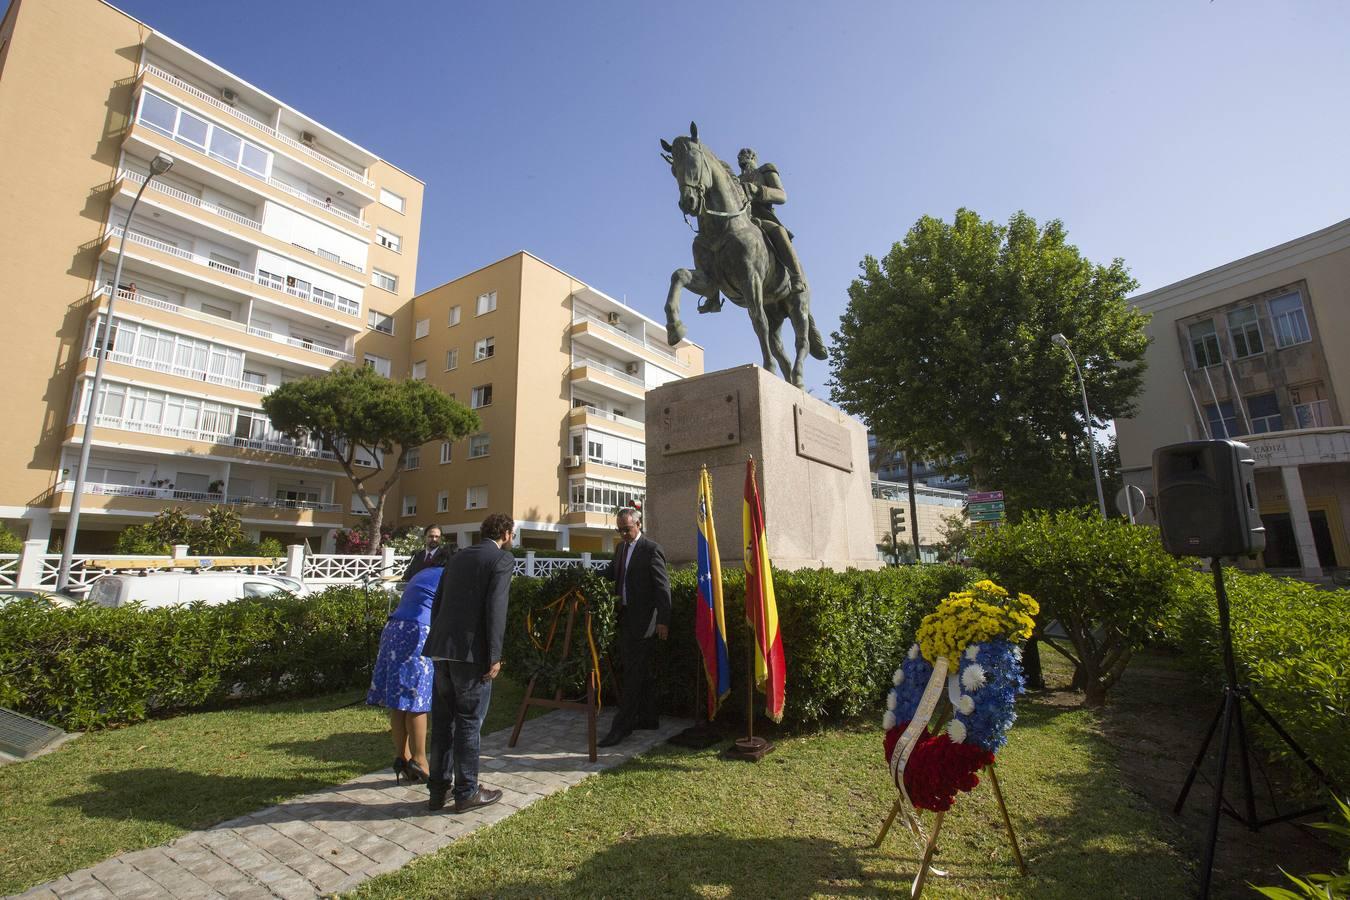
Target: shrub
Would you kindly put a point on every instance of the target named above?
(1105, 581)
(91, 666)
(137, 540)
(1291, 646)
(9, 541)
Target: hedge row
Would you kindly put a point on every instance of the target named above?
(90, 666)
(1291, 644)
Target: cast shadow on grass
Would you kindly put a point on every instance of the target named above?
(346, 748)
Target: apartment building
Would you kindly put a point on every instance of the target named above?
(558, 372)
(273, 249)
(1248, 351)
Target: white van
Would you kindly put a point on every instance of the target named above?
(173, 588)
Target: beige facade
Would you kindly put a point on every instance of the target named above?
(558, 372)
(272, 250)
(933, 506)
(1250, 351)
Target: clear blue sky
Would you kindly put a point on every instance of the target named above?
(1175, 134)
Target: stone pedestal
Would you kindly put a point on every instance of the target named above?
(814, 478)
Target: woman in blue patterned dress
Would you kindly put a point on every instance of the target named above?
(402, 677)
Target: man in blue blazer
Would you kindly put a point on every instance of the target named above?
(468, 621)
(642, 589)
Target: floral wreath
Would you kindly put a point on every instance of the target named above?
(969, 645)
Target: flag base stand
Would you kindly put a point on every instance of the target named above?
(749, 749)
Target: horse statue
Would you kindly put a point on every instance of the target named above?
(733, 257)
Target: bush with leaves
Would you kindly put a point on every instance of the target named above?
(9, 541)
(1106, 582)
(1320, 887)
(1291, 645)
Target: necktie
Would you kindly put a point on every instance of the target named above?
(621, 572)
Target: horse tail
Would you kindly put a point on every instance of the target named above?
(816, 341)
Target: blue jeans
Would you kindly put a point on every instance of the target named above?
(459, 703)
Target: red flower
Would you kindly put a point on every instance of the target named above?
(938, 767)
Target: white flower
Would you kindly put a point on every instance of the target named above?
(1017, 652)
(888, 721)
(972, 677)
(890, 700)
(914, 652)
(966, 704)
(956, 731)
(899, 677)
(972, 651)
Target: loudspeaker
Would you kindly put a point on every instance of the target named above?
(1206, 494)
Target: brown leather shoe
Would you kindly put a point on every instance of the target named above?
(481, 797)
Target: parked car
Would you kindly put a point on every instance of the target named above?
(55, 598)
(174, 588)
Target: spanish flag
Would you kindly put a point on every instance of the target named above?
(710, 621)
(761, 610)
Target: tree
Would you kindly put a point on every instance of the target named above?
(961, 315)
(352, 409)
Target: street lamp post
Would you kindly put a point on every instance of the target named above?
(1060, 340)
(158, 166)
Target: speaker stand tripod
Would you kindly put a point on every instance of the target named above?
(1230, 715)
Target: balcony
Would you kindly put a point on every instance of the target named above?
(611, 381)
(143, 498)
(137, 361)
(252, 280)
(216, 322)
(181, 201)
(593, 415)
(330, 166)
(265, 445)
(586, 325)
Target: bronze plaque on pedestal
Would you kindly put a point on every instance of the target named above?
(823, 440)
(701, 423)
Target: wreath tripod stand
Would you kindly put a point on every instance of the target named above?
(1230, 715)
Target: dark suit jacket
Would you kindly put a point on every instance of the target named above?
(424, 559)
(468, 617)
(648, 585)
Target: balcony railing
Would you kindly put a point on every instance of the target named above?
(341, 304)
(625, 336)
(290, 448)
(583, 362)
(154, 365)
(613, 417)
(291, 142)
(171, 494)
(1316, 414)
(226, 323)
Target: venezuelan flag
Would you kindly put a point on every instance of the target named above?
(710, 622)
(761, 610)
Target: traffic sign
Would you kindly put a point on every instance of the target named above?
(980, 496)
(986, 506)
(987, 516)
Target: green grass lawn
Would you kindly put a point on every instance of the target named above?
(801, 824)
(146, 784)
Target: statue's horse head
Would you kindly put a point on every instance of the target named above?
(689, 164)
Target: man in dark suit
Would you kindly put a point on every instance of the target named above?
(642, 586)
(468, 620)
(432, 555)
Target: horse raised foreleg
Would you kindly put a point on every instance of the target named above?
(693, 281)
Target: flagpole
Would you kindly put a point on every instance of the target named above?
(750, 695)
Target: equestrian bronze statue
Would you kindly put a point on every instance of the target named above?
(741, 251)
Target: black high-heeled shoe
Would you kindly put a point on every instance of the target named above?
(400, 769)
(416, 774)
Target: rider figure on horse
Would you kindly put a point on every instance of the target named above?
(765, 190)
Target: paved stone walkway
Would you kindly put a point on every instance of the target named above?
(333, 840)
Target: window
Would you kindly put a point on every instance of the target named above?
(220, 144)
(451, 360)
(445, 452)
(613, 450)
(413, 459)
(219, 311)
(378, 321)
(476, 497)
(378, 363)
(384, 280)
(604, 496)
(480, 445)
(389, 239)
(257, 379)
(419, 370)
(1288, 320)
(486, 303)
(484, 349)
(1311, 408)
(442, 501)
(422, 329)
(454, 315)
(1245, 331)
(392, 200)
(1264, 411)
(1222, 420)
(410, 504)
(480, 396)
(1205, 344)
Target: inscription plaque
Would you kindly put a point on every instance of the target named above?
(823, 440)
(701, 423)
